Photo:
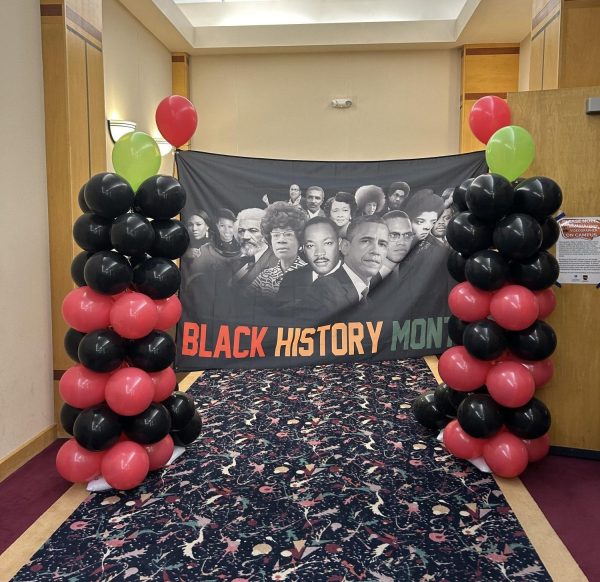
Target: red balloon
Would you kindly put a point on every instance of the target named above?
(133, 315)
(541, 370)
(461, 371)
(164, 382)
(469, 303)
(510, 384)
(538, 448)
(159, 453)
(76, 464)
(81, 387)
(514, 307)
(129, 391)
(169, 312)
(125, 465)
(461, 444)
(85, 310)
(506, 455)
(176, 119)
(488, 115)
(546, 301)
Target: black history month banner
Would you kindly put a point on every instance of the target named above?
(299, 262)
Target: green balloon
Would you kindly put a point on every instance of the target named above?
(510, 152)
(136, 157)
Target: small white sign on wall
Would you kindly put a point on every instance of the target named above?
(578, 250)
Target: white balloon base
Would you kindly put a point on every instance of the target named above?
(100, 483)
(477, 462)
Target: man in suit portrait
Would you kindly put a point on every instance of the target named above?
(320, 243)
(364, 248)
(313, 201)
(256, 253)
(401, 241)
(295, 195)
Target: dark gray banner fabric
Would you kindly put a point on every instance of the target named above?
(301, 262)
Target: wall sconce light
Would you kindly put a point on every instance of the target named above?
(163, 145)
(117, 128)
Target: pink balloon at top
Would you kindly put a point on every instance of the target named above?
(488, 115)
(169, 312)
(85, 310)
(514, 307)
(176, 119)
(469, 303)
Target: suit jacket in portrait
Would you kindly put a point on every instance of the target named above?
(330, 296)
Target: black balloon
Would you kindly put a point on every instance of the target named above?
(550, 232)
(480, 416)
(92, 232)
(530, 421)
(160, 197)
(101, 350)
(536, 342)
(447, 400)
(484, 339)
(490, 197)
(97, 428)
(468, 234)
(108, 194)
(171, 239)
(135, 260)
(459, 197)
(77, 267)
(518, 236)
(456, 328)
(181, 408)
(486, 270)
(157, 277)
(148, 427)
(108, 272)
(72, 340)
(153, 352)
(538, 196)
(81, 200)
(68, 416)
(132, 234)
(456, 266)
(189, 433)
(426, 412)
(535, 273)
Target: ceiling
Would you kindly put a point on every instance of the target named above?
(224, 26)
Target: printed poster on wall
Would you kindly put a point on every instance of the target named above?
(578, 250)
(296, 263)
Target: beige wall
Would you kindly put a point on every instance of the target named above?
(26, 396)
(137, 73)
(524, 63)
(406, 104)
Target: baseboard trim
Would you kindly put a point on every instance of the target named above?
(578, 453)
(11, 462)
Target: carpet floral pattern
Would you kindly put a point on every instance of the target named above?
(305, 474)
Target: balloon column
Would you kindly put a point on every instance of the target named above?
(121, 403)
(501, 236)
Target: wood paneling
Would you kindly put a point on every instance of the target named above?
(567, 151)
(580, 49)
(27, 451)
(551, 55)
(75, 126)
(536, 63)
(486, 70)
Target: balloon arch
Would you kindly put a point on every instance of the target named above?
(501, 235)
